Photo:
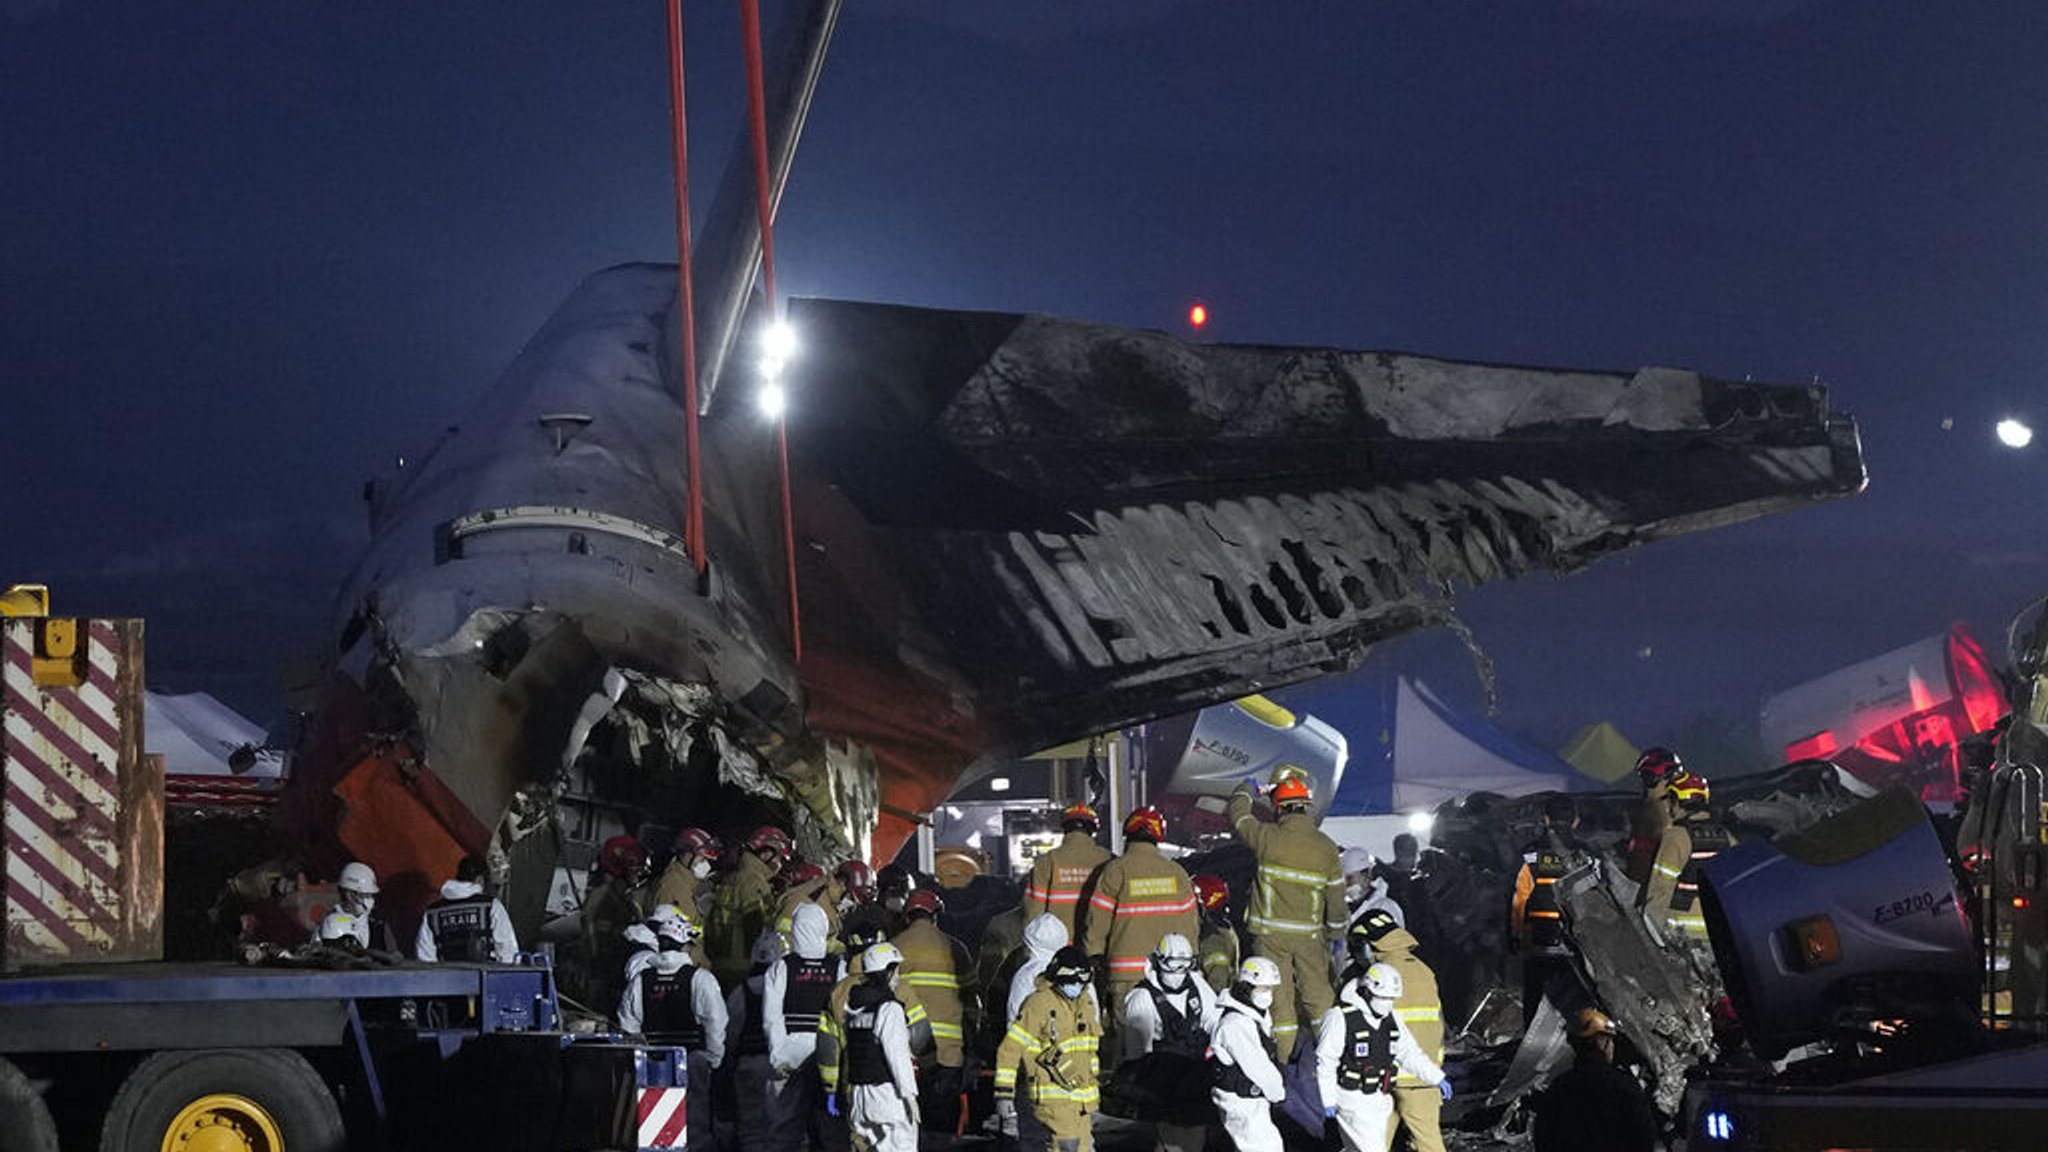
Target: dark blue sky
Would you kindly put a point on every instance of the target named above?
(248, 252)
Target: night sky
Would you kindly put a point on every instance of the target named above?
(250, 251)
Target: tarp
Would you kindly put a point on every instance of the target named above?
(196, 734)
(1601, 752)
(1411, 750)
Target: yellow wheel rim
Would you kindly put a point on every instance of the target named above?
(223, 1123)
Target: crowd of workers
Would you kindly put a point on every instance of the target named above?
(833, 1007)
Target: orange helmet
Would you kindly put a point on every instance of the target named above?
(1145, 824)
(1293, 790)
(1211, 892)
(1080, 814)
(1689, 789)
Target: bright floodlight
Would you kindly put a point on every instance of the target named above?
(1420, 823)
(773, 400)
(2014, 434)
(778, 342)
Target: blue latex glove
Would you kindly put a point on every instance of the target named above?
(1445, 1088)
(1330, 1113)
(832, 1105)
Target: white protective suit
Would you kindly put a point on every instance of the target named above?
(884, 1117)
(1363, 1117)
(504, 944)
(752, 1080)
(709, 1005)
(1142, 1028)
(1044, 936)
(1240, 1038)
(793, 1091)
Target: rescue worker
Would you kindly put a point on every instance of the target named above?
(1595, 1106)
(795, 993)
(856, 885)
(1001, 950)
(682, 882)
(614, 900)
(1361, 1047)
(1051, 1054)
(805, 883)
(1043, 938)
(466, 924)
(1297, 907)
(1138, 899)
(356, 898)
(1364, 890)
(743, 906)
(893, 886)
(1220, 949)
(752, 1068)
(1377, 938)
(1655, 769)
(1692, 839)
(1245, 1080)
(832, 1025)
(1535, 918)
(1165, 1036)
(1058, 876)
(933, 964)
(669, 1000)
(881, 1106)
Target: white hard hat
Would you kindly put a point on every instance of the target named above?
(1259, 972)
(678, 931)
(357, 877)
(1383, 980)
(880, 956)
(1173, 953)
(1355, 860)
(337, 926)
(664, 914)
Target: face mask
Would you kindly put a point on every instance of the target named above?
(356, 903)
(1262, 998)
(1070, 989)
(1172, 980)
(845, 904)
(893, 903)
(701, 869)
(1381, 1005)
(1353, 893)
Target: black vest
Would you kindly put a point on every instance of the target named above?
(668, 1009)
(806, 992)
(864, 1062)
(1548, 858)
(1180, 1033)
(1708, 841)
(1367, 1062)
(462, 928)
(1231, 1078)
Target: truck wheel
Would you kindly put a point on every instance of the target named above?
(24, 1119)
(224, 1100)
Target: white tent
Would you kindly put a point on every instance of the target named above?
(196, 734)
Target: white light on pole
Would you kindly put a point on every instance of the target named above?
(1420, 823)
(773, 400)
(2014, 434)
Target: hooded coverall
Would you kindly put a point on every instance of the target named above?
(1058, 877)
(742, 907)
(1165, 1039)
(668, 999)
(1055, 1042)
(467, 925)
(881, 1082)
(1297, 909)
(1139, 897)
(1359, 1051)
(832, 1025)
(1419, 1106)
(822, 892)
(1246, 1081)
(1043, 936)
(795, 994)
(747, 1039)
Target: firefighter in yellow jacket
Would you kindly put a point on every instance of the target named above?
(743, 905)
(1378, 938)
(1297, 907)
(1058, 876)
(1682, 852)
(1219, 948)
(1050, 1055)
(1138, 899)
(933, 966)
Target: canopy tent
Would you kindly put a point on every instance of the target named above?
(196, 735)
(1600, 752)
(1411, 750)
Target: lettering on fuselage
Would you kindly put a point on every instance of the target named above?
(1931, 902)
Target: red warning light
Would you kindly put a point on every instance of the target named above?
(1198, 315)
(2021, 903)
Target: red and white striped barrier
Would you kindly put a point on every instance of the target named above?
(664, 1115)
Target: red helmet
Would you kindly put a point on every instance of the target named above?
(1293, 790)
(1689, 789)
(769, 838)
(698, 841)
(924, 900)
(1657, 766)
(858, 879)
(801, 873)
(1080, 814)
(1211, 892)
(622, 856)
(1145, 824)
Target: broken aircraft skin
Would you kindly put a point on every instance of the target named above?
(1011, 531)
